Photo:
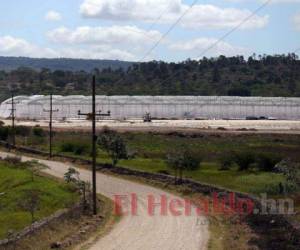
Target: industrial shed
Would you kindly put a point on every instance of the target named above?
(160, 107)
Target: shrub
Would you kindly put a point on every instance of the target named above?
(4, 132)
(13, 159)
(78, 148)
(39, 132)
(244, 160)
(291, 171)
(23, 131)
(267, 162)
(226, 161)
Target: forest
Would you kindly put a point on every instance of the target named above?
(258, 75)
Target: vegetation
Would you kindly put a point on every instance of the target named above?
(72, 176)
(226, 161)
(13, 63)
(75, 147)
(244, 160)
(291, 171)
(181, 161)
(277, 75)
(23, 201)
(30, 202)
(38, 132)
(114, 146)
(35, 168)
(150, 151)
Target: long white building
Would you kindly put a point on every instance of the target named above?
(161, 107)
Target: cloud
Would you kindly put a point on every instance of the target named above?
(296, 20)
(98, 52)
(11, 46)
(200, 16)
(198, 45)
(53, 16)
(263, 1)
(121, 35)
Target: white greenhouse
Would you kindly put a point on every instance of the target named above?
(160, 107)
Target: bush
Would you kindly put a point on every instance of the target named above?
(244, 160)
(14, 160)
(39, 132)
(4, 132)
(226, 161)
(78, 148)
(23, 131)
(267, 162)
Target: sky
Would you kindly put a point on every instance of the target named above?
(143, 30)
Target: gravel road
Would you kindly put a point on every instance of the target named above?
(141, 231)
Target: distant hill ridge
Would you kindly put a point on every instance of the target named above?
(12, 63)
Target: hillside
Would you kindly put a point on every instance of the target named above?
(13, 63)
(223, 76)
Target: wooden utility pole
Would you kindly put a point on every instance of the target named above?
(50, 111)
(93, 116)
(13, 118)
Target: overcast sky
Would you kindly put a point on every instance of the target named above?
(128, 29)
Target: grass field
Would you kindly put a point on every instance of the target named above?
(14, 180)
(151, 149)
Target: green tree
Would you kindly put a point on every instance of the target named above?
(72, 176)
(114, 146)
(4, 133)
(244, 160)
(184, 160)
(267, 162)
(226, 161)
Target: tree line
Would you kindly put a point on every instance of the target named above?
(258, 75)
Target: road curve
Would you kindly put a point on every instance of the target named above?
(141, 231)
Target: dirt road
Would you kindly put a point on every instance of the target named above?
(194, 126)
(141, 231)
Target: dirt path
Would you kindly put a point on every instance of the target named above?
(166, 126)
(141, 231)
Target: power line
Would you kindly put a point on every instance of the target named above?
(227, 34)
(169, 30)
(235, 28)
(159, 17)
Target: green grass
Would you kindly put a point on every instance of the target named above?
(251, 181)
(13, 182)
(152, 148)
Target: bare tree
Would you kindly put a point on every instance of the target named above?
(35, 167)
(30, 202)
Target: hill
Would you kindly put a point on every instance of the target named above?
(13, 63)
(266, 75)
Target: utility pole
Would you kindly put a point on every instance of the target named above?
(93, 116)
(50, 111)
(13, 118)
